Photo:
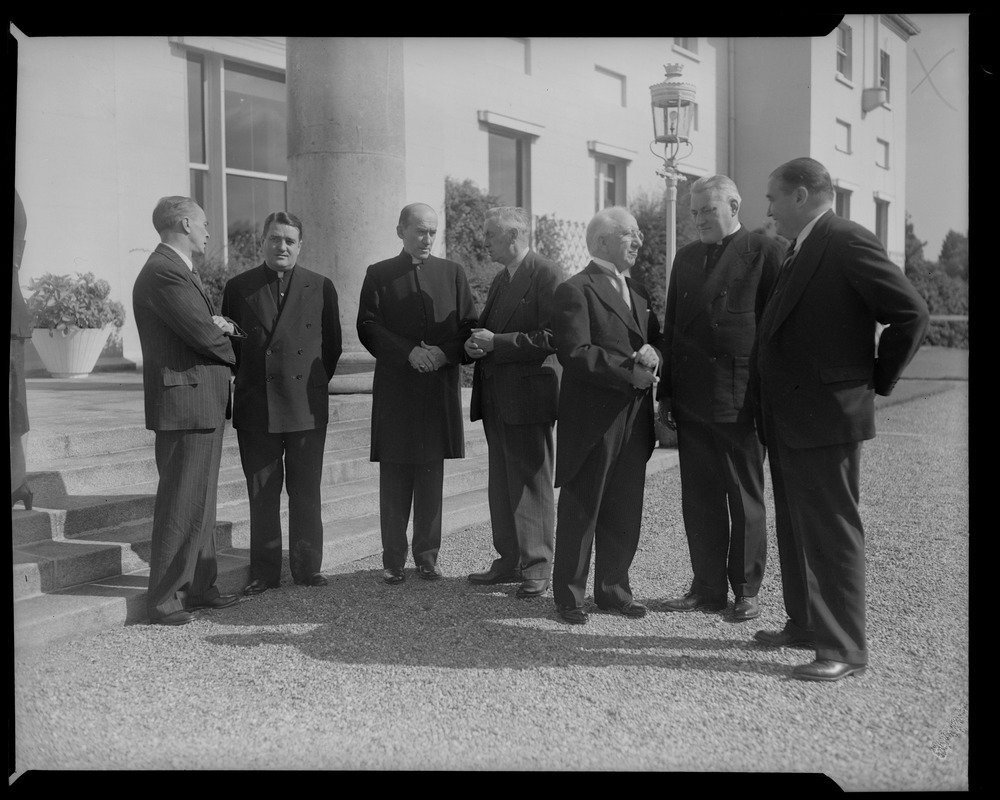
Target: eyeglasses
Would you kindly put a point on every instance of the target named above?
(632, 234)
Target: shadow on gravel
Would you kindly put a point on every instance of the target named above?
(358, 619)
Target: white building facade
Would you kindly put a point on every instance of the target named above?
(108, 125)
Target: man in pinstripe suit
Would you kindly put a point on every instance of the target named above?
(187, 364)
(515, 391)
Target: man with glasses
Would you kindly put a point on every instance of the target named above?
(607, 341)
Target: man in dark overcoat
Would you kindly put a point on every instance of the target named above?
(819, 362)
(281, 400)
(607, 341)
(187, 362)
(515, 391)
(415, 313)
(716, 285)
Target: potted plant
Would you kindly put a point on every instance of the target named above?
(72, 318)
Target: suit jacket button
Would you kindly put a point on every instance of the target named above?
(300, 351)
(298, 377)
(268, 351)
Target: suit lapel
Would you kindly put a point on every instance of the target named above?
(516, 290)
(640, 310)
(176, 260)
(259, 298)
(610, 297)
(299, 286)
(801, 271)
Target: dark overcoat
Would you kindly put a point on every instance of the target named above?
(709, 325)
(416, 417)
(284, 365)
(524, 365)
(596, 338)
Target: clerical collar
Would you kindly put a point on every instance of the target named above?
(283, 273)
(727, 238)
(184, 258)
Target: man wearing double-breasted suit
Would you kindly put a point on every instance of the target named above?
(515, 391)
(414, 314)
(607, 341)
(716, 285)
(281, 401)
(187, 364)
(818, 365)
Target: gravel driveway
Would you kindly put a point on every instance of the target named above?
(359, 675)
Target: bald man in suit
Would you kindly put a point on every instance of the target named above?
(608, 342)
(414, 315)
(187, 365)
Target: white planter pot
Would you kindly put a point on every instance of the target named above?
(71, 353)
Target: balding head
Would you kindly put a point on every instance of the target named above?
(614, 235)
(417, 228)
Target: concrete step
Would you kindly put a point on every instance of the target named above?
(61, 514)
(122, 542)
(109, 472)
(100, 434)
(83, 609)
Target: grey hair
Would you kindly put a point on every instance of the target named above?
(511, 218)
(606, 220)
(171, 210)
(718, 185)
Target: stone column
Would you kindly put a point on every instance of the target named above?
(346, 169)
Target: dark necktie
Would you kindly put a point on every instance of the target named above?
(278, 289)
(712, 255)
(197, 280)
(502, 283)
(789, 256)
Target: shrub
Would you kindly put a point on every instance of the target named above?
(948, 333)
(214, 272)
(465, 207)
(63, 301)
(944, 293)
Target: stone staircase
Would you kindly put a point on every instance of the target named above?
(80, 558)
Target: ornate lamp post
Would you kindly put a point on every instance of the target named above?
(672, 103)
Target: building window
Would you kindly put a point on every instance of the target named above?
(843, 141)
(883, 73)
(510, 169)
(882, 153)
(610, 87)
(237, 145)
(882, 222)
(842, 202)
(694, 116)
(844, 50)
(687, 43)
(610, 182)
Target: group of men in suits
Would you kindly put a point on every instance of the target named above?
(757, 354)
(280, 334)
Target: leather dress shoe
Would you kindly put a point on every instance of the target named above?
(258, 586)
(573, 615)
(313, 580)
(494, 575)
(393, 575)
(784, 638)
(173, 618)
(429, 573)
(532, 587)
(825, 669)
(746, 608)
(222, 601)
(693, 601)
(630, 609)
